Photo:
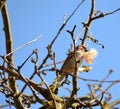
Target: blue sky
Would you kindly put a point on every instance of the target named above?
(30, 19)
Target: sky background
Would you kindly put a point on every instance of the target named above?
(29, 19)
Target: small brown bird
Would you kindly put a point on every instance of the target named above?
(72, 62)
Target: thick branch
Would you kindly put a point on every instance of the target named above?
(9, 48)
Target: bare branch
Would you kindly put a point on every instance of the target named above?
(113, 83)
(32, 41)
(9, 48)
(87, 25)
(59, 62)
(106, 14)
(93, 80)
(112, 12)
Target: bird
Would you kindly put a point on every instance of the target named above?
(72, 62)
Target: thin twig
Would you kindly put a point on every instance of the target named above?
(96, 80)
(32, 41)
(91, 91)
(99, 86)
(106, 14)
(19, 67)
(87, 26)
(112, 12)
(113, 83)
(75, 10)
(106, 77)
(46, 65)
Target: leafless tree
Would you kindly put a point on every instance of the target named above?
(9, 74)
